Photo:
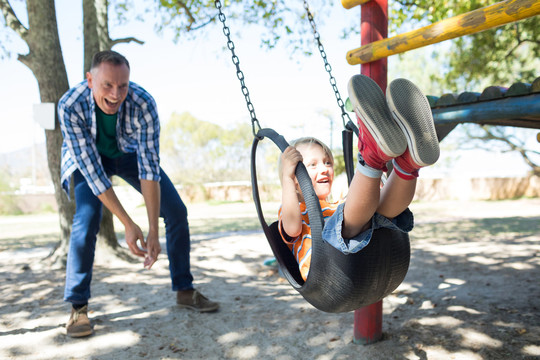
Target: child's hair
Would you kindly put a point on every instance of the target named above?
(310, 141)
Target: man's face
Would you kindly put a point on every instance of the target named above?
(109, 84)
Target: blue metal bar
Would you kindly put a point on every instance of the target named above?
(519, 111)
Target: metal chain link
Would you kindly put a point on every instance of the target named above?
(327, 66)
(255, 126)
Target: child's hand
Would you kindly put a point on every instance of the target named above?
(289, 160)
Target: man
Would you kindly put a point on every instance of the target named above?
(111, 127)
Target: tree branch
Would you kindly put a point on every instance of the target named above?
(189, 28)
(188, 13)
(11, 19)
(520, 41)
(124, 40)
(519, 148)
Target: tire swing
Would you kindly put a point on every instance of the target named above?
(336, 282)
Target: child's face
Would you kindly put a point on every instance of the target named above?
(320, 168)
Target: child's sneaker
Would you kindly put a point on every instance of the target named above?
(411, 110)
(380, 138)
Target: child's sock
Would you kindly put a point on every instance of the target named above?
(367, 170)
(402, 173)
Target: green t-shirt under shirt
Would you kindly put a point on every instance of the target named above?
(106, 134)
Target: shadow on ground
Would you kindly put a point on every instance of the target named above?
(472, 292)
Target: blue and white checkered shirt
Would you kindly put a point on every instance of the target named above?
(137, 130)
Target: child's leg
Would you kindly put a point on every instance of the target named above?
(380, 140)
(412, 112)
(396, 196)
(362, 202)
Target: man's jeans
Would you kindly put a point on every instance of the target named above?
(88, 217)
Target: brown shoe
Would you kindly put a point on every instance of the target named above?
(79, 324)
(194, 300)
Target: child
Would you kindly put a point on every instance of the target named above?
(399, 128)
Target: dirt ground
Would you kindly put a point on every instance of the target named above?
(472, 292)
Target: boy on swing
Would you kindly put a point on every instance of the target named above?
(398, 128)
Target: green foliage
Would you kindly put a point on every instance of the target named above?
(498, 56)
(8, 202)
(197, 151)
(283, 20)
(339, 163)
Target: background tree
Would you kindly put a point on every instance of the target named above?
(502, 55)
(499, 56)
(44, 59)
(96, 38)
(46, 62)
(284, 20)
(499, 138)
(201, 151)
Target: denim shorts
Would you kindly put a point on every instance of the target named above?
(404, 222)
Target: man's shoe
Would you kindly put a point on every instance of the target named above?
(411, 110)
(380, 138)
(79, 324)
(194, 300)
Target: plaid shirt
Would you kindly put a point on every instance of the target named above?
(137, 130)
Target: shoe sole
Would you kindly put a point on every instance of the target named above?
(80, 334)
(411, 110)
(198, 309)
(371, 107)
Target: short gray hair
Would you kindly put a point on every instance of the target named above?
(108, 56)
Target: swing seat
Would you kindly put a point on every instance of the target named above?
(340, 283)
(336, 282)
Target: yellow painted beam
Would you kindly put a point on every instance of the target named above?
(472, 22)
(349, 4)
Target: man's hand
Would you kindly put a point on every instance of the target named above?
(134, 234)
(153, 249)
(151, 193)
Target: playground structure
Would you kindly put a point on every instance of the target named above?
(374, 29)
(518, 105)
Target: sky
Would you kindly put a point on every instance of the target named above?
(290, 93)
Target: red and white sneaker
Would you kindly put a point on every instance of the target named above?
(411, 110)
(380, 138)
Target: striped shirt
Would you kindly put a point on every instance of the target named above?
(137, 130)
(301, 245)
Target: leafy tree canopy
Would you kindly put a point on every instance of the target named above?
(499, 56)
(283, 20)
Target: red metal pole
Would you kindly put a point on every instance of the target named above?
(373, 27)
(368, 324)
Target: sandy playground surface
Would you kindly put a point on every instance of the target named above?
(472, 292)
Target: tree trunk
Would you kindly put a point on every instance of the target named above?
(96, 38)
(95, 29)
(46, 62)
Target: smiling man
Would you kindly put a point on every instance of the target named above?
(111, 127)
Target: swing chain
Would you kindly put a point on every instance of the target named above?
(344, 115)
(255, 126)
